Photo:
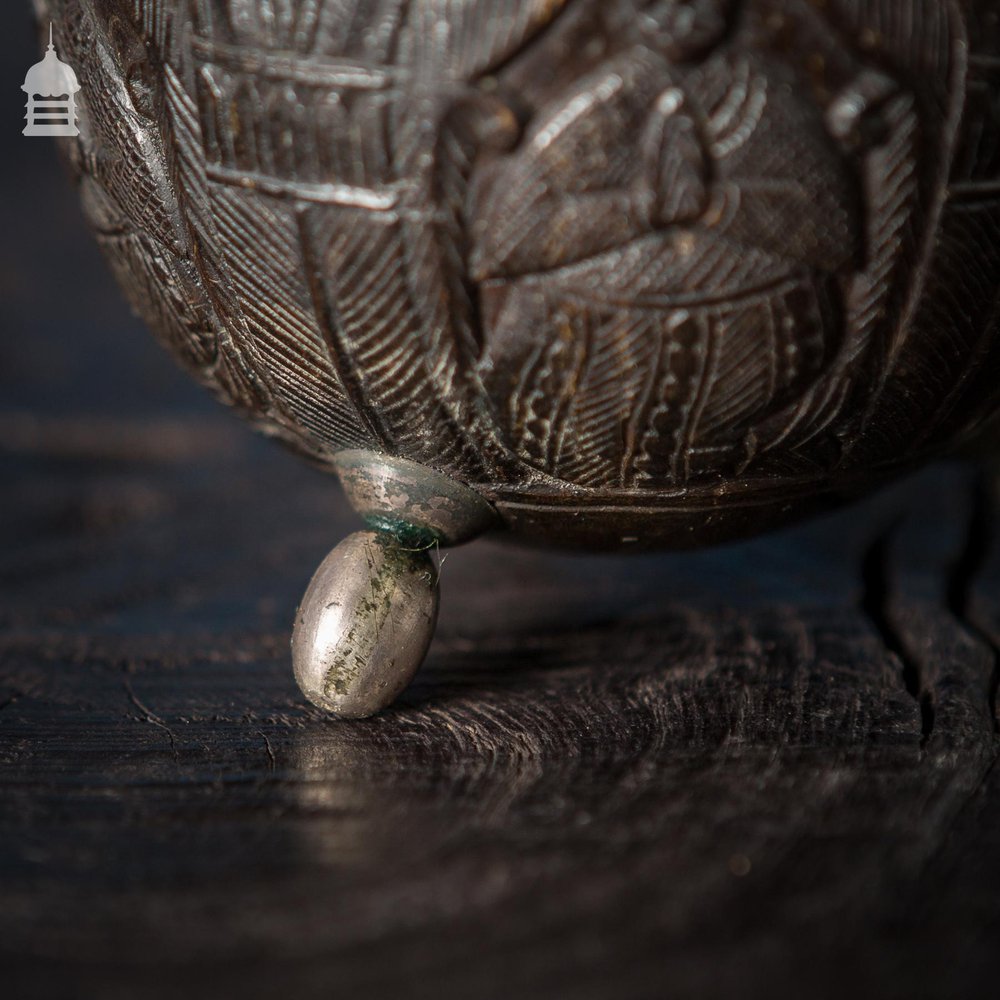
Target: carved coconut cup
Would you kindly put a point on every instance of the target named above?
(599, 273)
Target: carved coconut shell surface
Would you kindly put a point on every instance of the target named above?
(603, 273)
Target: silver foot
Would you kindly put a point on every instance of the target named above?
(364, 625)
(368, 615)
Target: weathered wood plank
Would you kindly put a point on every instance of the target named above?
(612, 772)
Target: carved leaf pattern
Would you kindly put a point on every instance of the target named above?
(564, 243)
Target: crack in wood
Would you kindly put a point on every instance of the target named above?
(876, 603)
(968, 568)
(150, 716)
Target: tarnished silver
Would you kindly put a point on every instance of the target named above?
(364, 625)
(410, 499)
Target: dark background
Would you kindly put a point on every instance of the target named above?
(765, 770)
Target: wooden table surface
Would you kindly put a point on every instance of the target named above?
(761, 771)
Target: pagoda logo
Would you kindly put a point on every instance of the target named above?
(51, 86)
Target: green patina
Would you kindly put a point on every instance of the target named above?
(404, 533)
(404, 554)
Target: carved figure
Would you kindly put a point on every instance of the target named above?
(604, 273)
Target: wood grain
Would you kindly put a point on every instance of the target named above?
(757, 771)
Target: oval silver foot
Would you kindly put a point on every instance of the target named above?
(364, 624)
